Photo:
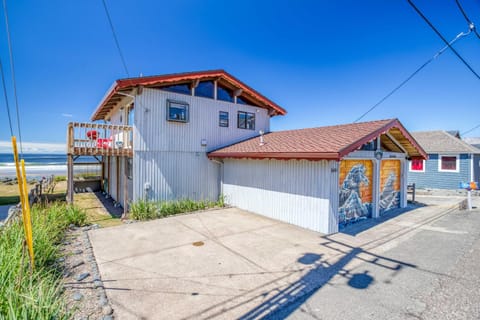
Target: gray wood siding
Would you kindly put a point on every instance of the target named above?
(304, 193)
(169, 155)
(432, 178)
(154, 133)
(175, 175)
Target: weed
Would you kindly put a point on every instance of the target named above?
(147, 210)
(35, 294)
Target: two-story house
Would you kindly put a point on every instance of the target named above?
(201, 135)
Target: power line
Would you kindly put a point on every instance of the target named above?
(443, 38)
(115, 38)
(435, 56)
(471, 25)
(470, 130)
(12, 67)
(6, 99)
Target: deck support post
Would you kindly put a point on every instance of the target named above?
(125, 188)
(109, 188)
(102, 184)
(70, 179)
(117, 179)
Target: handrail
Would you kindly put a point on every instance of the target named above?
(99, 139)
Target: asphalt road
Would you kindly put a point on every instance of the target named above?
(434, 274)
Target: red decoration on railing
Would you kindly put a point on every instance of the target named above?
(104, 143)
(92, 134)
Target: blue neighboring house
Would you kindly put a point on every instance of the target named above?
(450, 161)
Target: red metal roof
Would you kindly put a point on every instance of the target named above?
(332, 142)
(130, 83)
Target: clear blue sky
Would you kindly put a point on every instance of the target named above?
(326, 62)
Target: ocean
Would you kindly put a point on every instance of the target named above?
(41, 165)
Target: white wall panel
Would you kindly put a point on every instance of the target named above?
(169, 155)
(154, 133)
(175, 175)
(300, 192)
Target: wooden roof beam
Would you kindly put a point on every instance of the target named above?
(398, 144)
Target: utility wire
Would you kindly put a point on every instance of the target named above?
(12, 67)
(471, 25)
(115, 38)
(470, 130)
(435, 56)
(6, 99)
(443, 38)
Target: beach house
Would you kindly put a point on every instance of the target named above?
(201, 135)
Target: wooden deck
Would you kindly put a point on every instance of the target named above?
(104, 140)
(94, 139)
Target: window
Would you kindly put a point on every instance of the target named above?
(246, 120)
(242, 100)
(224, 94)
(178, 88)
(177, 111)
(417, 165)
(448, 163)
(223, 119)
(204, 89)
(129, 168)
(130, 115)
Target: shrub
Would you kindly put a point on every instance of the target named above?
(75, 216)
(60, 178)
(147, 210)
(35, 295)
(143, 210)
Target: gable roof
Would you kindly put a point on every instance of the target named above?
(442, 142)
(114, 94)
(332, 142)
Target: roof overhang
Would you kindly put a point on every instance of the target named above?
(397, 135)
(131, 85)
(398, 132)
(278, 155)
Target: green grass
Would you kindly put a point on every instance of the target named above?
(60, 178)
(36, 294)
(147, 210)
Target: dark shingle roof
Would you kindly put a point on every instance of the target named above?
(441, 141)
(332, 142)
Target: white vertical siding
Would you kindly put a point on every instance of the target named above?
(154, 133)
(300, 192)
(175, 175)
(169, 155)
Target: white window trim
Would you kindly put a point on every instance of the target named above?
(410, 167)
(448, 155)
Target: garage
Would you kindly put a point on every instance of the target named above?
(323, 178)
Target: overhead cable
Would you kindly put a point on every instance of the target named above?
(435, 56)
(471, 25)
(6, 99)
(443, 38)
(470, 130)
(117, 43)
(12, 69)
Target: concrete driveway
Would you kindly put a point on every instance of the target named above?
(225, 264)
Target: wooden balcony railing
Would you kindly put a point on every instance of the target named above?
(95, 139)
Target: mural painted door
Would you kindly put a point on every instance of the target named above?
(355, 190)
(390, 181)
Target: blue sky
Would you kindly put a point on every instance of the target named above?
(326, 62)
